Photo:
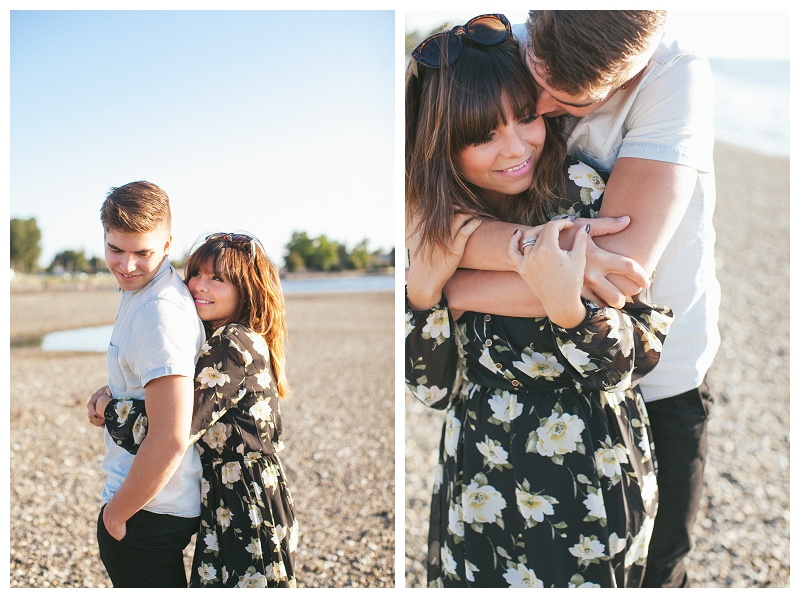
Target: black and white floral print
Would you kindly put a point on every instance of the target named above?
(248, 532)
(546, 474)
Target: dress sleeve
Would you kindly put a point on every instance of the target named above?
(126, 422)
(221, 378)
(612, 349)
(219, 384)
(434, 359)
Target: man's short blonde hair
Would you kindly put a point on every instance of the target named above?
(587, 52)
(138, 207)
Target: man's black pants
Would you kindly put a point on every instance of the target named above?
(679, 432)
(151, 553)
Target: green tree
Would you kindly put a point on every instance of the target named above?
(360, 258)
(25, 248)
(71, 261)
(324, 255)
(318, 255)
(297, 252)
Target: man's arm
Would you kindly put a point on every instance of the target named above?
(500, 293)
(169, 402)
(484, 252)
(655, 195)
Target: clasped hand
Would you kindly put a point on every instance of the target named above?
(96, 418)
(554, 275)
(429, 270)
(631, 278)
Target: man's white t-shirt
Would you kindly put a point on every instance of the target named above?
(668, 117)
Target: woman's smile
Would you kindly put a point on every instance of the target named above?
(502, 163)
(519, 169)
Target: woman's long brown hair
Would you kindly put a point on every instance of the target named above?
(448, 109)
(261, 307)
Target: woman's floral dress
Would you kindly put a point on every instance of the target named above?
(546, 474)
(248, 531)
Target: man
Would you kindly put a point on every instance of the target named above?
(151, 501)
(643, 108)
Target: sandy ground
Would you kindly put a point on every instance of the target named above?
(742, 529)
(338, 429)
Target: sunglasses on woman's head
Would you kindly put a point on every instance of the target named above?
(487, 30)
(234, 239)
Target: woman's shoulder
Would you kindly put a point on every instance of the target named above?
(244, 337)
(584, 189)
(575, 170)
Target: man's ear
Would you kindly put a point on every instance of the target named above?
(167, 245)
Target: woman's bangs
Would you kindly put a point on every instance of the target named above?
(475, 115)
(210, 256)
(479, 104)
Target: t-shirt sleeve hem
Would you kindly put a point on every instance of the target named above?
(167, 370)
(665, 153)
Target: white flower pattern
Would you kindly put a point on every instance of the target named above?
(547, 421)
(243, 490)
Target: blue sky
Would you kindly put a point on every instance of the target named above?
(265, 121)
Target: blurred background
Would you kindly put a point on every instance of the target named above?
(743, 526)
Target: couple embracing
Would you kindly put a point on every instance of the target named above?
(191, 411)
(561, 299)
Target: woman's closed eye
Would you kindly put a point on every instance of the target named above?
(529, 119)
(483, 141)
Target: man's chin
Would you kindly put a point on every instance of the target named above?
(132, 284)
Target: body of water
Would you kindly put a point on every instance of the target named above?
(751, 104)
(343, 284)
(96, 338)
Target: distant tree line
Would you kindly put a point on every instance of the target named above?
(303, 254)
(25, 245)
(320, 254)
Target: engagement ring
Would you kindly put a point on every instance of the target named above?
(528, 242)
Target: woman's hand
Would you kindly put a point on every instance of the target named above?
(428, 273)
(554, 275)
(95, 418)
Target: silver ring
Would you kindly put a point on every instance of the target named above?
(528, 242)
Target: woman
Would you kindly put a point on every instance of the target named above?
(546, 476)
(248, 534)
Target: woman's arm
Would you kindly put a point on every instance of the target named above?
(126, 421)
(433, 364)
(487, 250)
(611, 350)
(500, 293)
(603, 348)
(429, 271)
(221, 373)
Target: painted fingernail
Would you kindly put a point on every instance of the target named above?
(516, 231)
(587, 227)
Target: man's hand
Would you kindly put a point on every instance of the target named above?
(632, 277)
(169, 402)
(91, 406)
(631, 281)
(117, 529)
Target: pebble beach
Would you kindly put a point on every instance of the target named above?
(339, 429)
(742, 528)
